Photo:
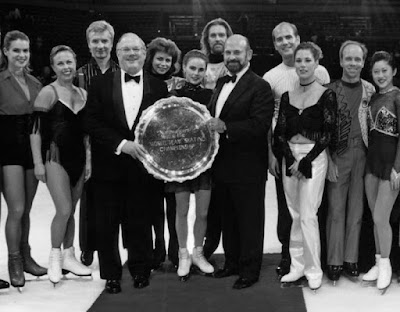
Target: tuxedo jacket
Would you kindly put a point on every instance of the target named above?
(243, 148)
(105, 122)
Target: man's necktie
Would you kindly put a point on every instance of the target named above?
(129, 77)
(228, 78)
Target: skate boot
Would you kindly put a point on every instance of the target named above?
(30, 265)
(293, 279)
(385, 275)
(185, 263)
(200, 261)
(314, 284)
(54, 270)
(70, 264)
(16, 270)
(370, 278)
(334, 272)
(4, 284)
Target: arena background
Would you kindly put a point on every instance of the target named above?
(327, 22)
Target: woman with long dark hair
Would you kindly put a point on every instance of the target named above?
(18, 91)
(305, 128)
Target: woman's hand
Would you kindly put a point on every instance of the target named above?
(294, 170)
(88, 170)
(273, 165)
(40, 172)
(394, 180)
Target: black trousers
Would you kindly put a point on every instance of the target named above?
(242, 225)
(158, 221)
(87, 219)
(129, 205)
(284, 219)
(214, 227)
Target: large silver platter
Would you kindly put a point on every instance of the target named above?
(179, 145)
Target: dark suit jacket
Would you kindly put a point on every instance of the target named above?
(105, 122)
(243, 152)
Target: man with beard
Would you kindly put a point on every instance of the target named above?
(346, 168)
(242, 106)
(100, 37)
(126, 194)
(212, 44)
(283, 78)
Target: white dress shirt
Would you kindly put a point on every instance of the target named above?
(132, 96)
(226, 91)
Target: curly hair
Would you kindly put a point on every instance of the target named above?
(167, 46)
(312, 47)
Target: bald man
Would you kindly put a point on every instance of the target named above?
(125, 193)
(242, 107)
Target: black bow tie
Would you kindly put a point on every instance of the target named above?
(129, 77)
(228, 78)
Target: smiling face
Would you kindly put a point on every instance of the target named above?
(383, 74)
(131, 54)
(17, 54)
(216, 39)
(195, 70)
(64, 65)
(285, 41)
(305, 65)
(100, 44)
(237, 54)
(352, 62)
(161, 63)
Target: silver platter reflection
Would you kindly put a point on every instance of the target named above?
(179, 145)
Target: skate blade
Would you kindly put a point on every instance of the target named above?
(368, 283)
(384, 290)
(184, 278)
(196, 270)
(354, 279)
(302, 282)
(65, 272)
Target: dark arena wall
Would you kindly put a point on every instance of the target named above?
(328, 22)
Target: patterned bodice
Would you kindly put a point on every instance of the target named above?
(385, 122)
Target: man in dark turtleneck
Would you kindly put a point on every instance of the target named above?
(346, 168)
(212, 44)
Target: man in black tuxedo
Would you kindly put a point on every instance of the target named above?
(243, 106)
(125, 193)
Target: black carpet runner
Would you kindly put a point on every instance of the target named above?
(204, 294)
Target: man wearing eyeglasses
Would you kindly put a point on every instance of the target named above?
(125, 193)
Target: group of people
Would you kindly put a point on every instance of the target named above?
(77, 135)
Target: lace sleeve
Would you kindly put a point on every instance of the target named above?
(281, 147)
(329, 108)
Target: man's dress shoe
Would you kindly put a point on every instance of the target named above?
(225, 272)
(140, 281)
(243, 282)
(351, 269)
(113, 286)
(87, 257)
